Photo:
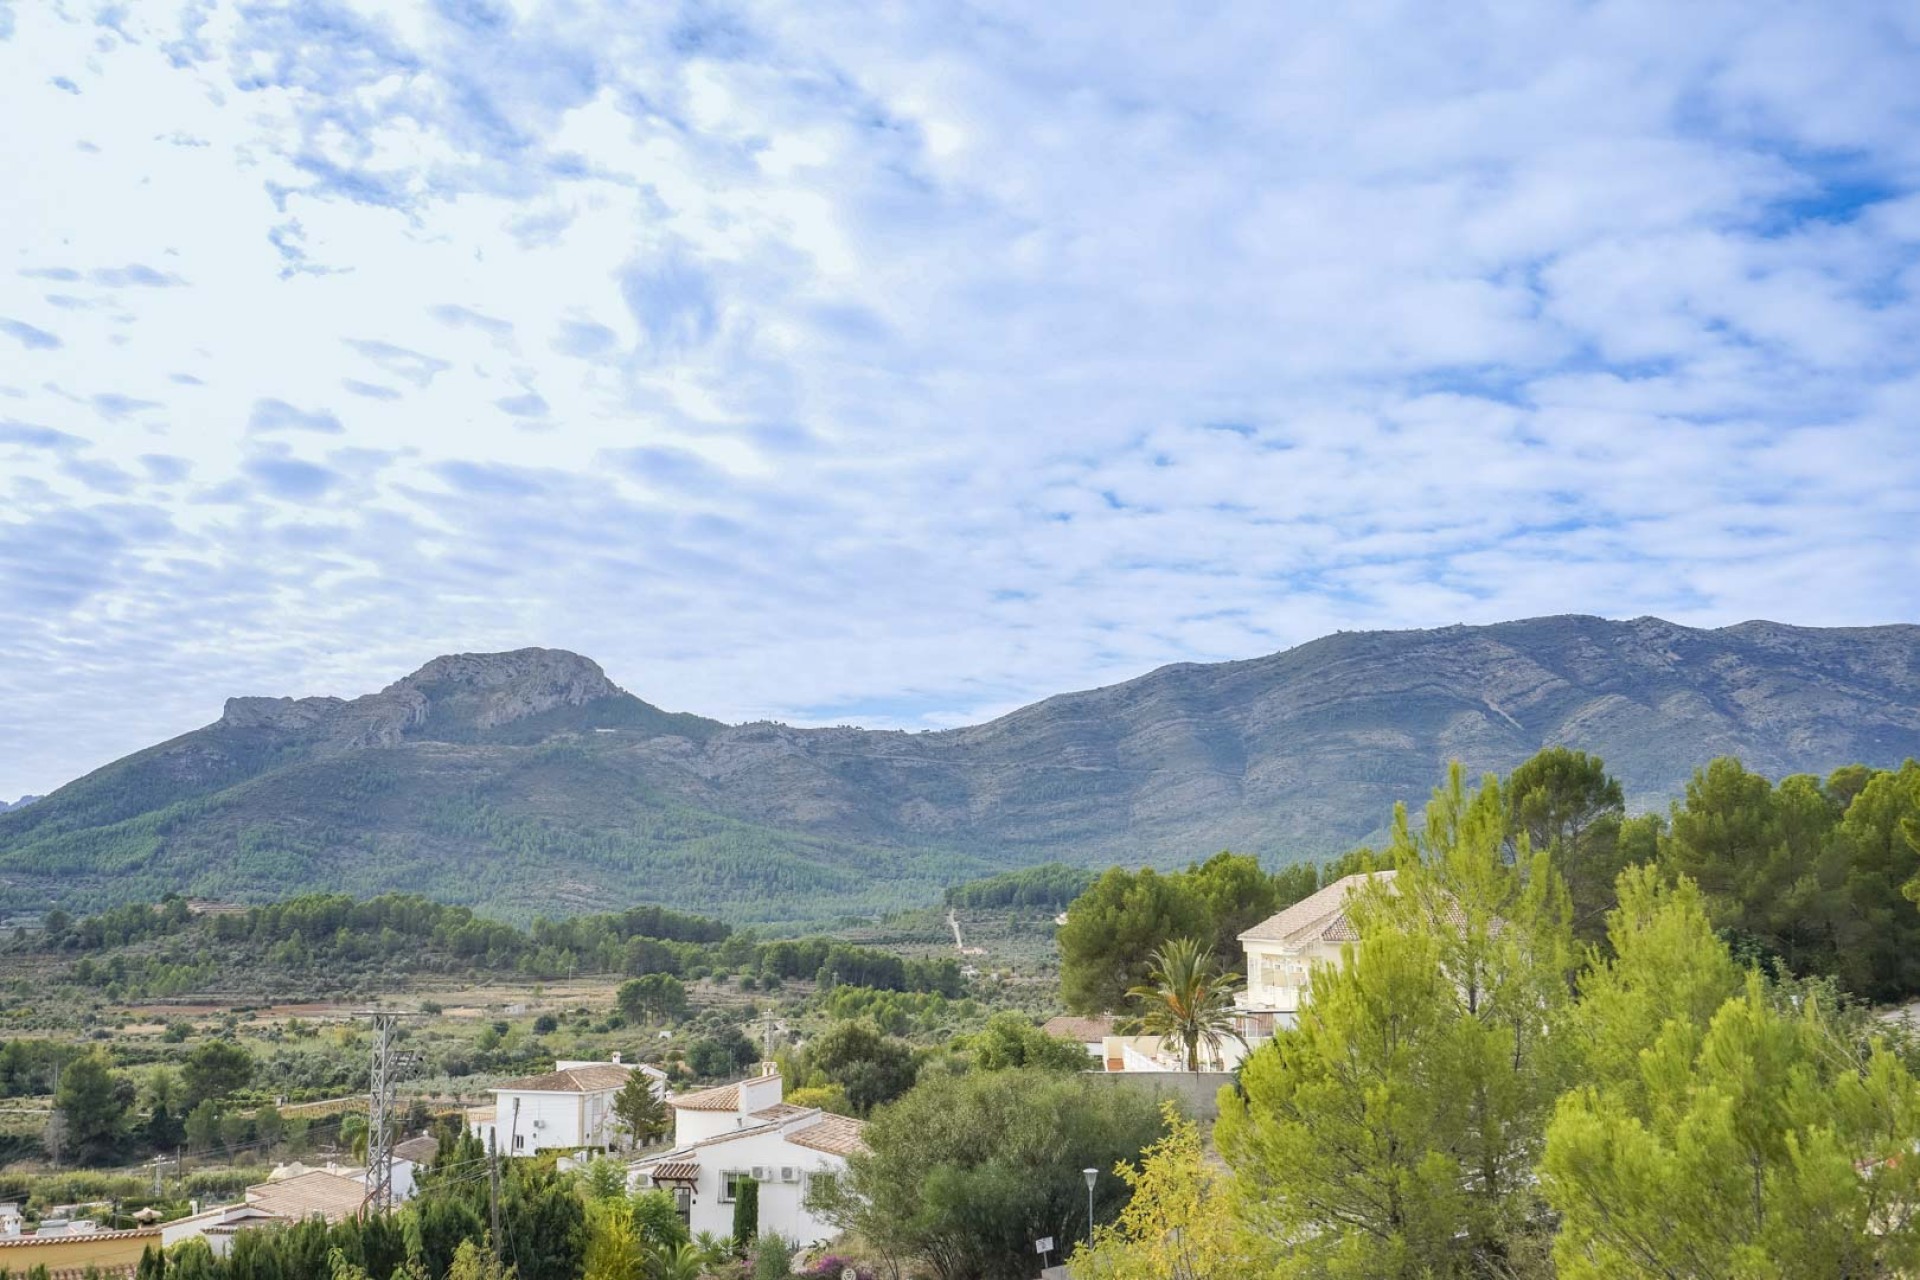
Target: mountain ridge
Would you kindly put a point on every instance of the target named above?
(528, 780)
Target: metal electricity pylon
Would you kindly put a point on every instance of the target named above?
(389, 1067)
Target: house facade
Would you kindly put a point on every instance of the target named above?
(1282, 949)
(742, 1132)
(564, 1109)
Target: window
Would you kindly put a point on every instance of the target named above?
(519, 1141)
(730, 1184)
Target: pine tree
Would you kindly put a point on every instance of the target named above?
(746, 1213)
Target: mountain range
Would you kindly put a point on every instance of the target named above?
(528, 782)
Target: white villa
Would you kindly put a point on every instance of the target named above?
(565, 1109)
(1281, 949)
(740, 1132)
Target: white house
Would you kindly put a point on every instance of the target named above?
(740, 1132)
(1284, 947)
(567, 1108)
(218, 1226)
(294, 1194)
(1089, 1033)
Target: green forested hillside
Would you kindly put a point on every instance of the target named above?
(528, 782)
(521, 831)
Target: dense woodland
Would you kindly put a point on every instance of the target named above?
(165, 949)
(1808, 875)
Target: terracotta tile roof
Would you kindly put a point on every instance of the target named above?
(1082, 1030)
(781, 1111)
(594, 1079)
(1318, 917)
(835, 1135)
(15, 1242)
(481, 1115)
(327, 1195)
(724, 1097)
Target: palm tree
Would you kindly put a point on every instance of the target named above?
(677, 1262)
(713, 1250)
(1189, 1002)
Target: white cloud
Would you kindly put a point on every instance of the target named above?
(818, 360)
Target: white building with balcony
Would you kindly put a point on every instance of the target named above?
(1284, 947)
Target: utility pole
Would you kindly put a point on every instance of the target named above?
(493, 1194)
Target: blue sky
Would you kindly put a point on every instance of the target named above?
(903, 363)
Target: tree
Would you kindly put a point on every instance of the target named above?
(604, 1179)
(1011, 1040)
(872, 1068)
(1874, 930)
(1393, 1132)
(613, 1249)
(652, 997)
(640, 1110)
(1114, 927)
(722, 1054)
(746, 1212)
(215, 1071)
(1762, 1145)
(235, 1130)
(93, 1101)
(1563, 803)
(354, 1128)
(1808, 873)
(1235, 894)
(163, 1130)
(1179, 1224)
(1187, 1001)
(827, 1097)
(961, 1175)
(203, 1126)
(658, 1220)
(268, 1125)
(474, 1260)
(545, 1221)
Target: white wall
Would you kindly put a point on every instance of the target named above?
(756, 1094)
(546, 1121)
(781, 1209)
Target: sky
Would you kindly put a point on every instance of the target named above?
(899, 364)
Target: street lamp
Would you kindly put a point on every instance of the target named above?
(1091, 1175)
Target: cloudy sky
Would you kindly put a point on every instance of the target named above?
(900, 363)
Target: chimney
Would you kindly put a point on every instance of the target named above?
(616, 1057)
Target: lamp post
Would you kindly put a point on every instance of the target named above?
(1091, 1175)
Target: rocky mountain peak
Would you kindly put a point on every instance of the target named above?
(490, 689)
(468, 690)
(573, 678)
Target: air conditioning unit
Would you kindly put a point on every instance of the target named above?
(760, 1174)
(789, 1173)
(539, 1124)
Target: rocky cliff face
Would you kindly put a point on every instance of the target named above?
(1299, 753)
(459, 693)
